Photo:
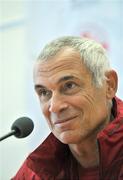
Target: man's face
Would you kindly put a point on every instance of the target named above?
(73, 107)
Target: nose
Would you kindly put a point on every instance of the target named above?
(57, 104)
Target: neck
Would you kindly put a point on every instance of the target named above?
(86, 153)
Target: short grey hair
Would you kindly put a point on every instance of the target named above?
(92, 54)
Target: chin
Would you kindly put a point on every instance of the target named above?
(68, 138)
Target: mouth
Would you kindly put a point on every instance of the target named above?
(64, 122)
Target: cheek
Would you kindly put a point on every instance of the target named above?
(89, 106)
(84, 101)
(44, 109)
(95, 109)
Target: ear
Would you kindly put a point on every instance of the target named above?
(112, 83)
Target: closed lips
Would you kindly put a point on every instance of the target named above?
(64, 120)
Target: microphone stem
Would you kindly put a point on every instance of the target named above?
(13, 131)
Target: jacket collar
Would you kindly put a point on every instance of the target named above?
(111, 140)
(49, 157)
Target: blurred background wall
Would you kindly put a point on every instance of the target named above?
(25, 26)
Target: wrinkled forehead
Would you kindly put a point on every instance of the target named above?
(64, 63)
(64, 59)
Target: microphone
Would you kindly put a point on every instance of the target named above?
(21, 128)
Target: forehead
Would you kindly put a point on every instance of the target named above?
(66, 63)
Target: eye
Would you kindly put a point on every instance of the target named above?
(70, 85)
(70, 88)
(44, 94)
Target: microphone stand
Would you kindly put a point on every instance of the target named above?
(13, 131)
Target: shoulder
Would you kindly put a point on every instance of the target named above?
(41, 162)
(25, 173)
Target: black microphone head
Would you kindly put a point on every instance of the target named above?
(23, 127)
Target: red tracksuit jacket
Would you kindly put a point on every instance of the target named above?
(52, 160)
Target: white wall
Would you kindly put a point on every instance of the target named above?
(14, 74)
(24, 28)
(13, 85)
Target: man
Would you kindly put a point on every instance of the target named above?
(76, 89)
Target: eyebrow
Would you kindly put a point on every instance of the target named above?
(64, 78)
(37, 86)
